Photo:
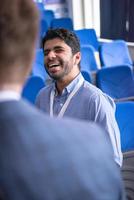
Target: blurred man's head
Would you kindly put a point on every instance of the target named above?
(18, 33)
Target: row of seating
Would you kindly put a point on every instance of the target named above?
(114, 80)
(65, 22)
(48, 20)
(110, 54)
(49, 17)
(117, 82)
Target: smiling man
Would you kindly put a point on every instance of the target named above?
(70, 95)
(61, 61)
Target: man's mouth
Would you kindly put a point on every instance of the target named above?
(54, 68)
(53, 65)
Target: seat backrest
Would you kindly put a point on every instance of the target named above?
(38, 65)
(116, 81)
(88, 37)
(64, 22)
(128, 173)
(125, 119)
(88, 60)
(86, 76)
(48, 15)
(43, 28)
(115, 53)
(32, 87)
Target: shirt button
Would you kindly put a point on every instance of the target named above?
(61, 104)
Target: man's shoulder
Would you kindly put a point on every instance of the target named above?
(45, 90)
(95, 94)
(15, 109)
(90, 88)
(90, 91)
(21, 113)
(48, 87)
(22, 117)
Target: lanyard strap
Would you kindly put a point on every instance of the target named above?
(63, 109)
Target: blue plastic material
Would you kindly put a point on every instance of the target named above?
(32, 87)
(115, 53)
(88, 37)
(88, 61)
(86, 76)
(38, 68)
(48, 15)
(64, 22)
(116, 81)
(125, 120)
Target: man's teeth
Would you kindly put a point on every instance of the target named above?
(53, 65)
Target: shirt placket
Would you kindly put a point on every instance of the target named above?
(59, 102)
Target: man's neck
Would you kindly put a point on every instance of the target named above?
(62, 83)
(60, 86)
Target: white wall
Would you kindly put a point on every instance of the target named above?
(76, 13)
(85, 14)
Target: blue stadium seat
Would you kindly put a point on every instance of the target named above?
(43, 28)
(88, 37)
(48, 15)
(88, 60)
(117, 82)
(32, 87)
(64, 22)
(86, 76)
(125, 119)
(38, 65)
(115, 53)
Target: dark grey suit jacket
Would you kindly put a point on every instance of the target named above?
(46, 159)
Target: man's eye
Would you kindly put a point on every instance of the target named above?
(59, 50)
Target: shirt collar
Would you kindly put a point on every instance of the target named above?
(9, 95)
(69, 88)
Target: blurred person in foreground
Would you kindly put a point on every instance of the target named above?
(43, 158)
(70, 95)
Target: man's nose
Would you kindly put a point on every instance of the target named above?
(51, 55)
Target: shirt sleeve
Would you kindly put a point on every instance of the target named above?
(102, 111)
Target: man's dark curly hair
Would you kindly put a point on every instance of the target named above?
(69, 37)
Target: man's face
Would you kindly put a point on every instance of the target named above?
(59, 60)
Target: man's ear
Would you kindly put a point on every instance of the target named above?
(77, 58)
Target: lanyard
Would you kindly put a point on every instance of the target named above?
(63, 109)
